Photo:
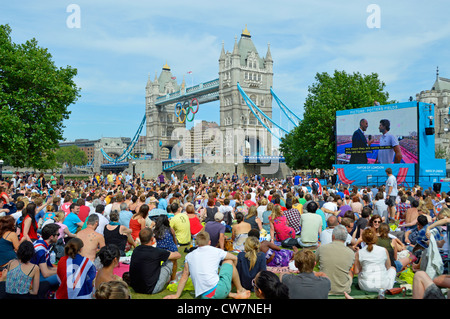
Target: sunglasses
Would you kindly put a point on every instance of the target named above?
(377, 221)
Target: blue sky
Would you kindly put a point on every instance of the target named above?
(120, 43)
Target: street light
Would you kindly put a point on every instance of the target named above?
(235, 167)
(134, 166)
(1, 169)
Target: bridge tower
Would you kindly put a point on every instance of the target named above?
(255, 75)
(160, 119)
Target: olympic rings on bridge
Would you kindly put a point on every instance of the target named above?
(187, 109)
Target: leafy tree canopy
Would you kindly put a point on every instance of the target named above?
(34, 98)
(71, 155)
(312, 143)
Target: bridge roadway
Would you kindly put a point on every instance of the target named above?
(203, 92)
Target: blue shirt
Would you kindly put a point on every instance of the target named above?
(324, 219)
(71, 222)
(157, 212)
(162, 204)
(124, 218)
(422, 239)
(42, 253)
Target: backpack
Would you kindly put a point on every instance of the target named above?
(314, 187)
(289, 243)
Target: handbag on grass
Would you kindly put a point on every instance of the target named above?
(396, 291)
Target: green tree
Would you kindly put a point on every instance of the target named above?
(71, 155)
(312, 144)
(34, 100)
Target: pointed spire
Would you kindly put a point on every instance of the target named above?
(166, 67)
(156, 77)
(268, 55)
(246, 33)
(183, 84)
(437, 73)
(222, 53)
(149, 82)
(235, 48)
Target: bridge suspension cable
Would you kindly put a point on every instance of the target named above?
(127, 152)
(252, 105)
(285, 109)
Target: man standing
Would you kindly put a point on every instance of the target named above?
(359, 141)
(391, 192)
(386, 156)
(110, 178)
(336, 260)
(150, 267)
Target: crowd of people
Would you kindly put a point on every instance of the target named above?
(63, 238)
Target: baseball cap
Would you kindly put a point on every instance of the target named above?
(218, 216)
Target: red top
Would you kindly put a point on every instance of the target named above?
(84, 212)
(3, 199)
(32, 232)
(135, 227)
(195, 224)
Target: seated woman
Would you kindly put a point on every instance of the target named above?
(279, 226)
(116, 289)
(137, 222)
(385, 241)
(250, 262)
(275, 255)
(166, 239)
(194, 222)
(267, 285)
(252, 218)
(117, 234)
(64, 232)
(75, 287)
(239, 232)
(21, 274)
(373, 266)
(265, 218)
(109, 256)
(9, 242)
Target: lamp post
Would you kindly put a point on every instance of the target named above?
(1, 170)
(235, 167)
(134, 167)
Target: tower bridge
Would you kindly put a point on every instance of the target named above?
(245, 131)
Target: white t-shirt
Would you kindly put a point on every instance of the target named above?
(203, 267)
(102, 222)
(392, 181)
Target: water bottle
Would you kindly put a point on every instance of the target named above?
(381, 294)
(53, 257)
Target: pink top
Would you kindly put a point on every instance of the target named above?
(62, 227)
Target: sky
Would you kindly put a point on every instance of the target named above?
(117, 45)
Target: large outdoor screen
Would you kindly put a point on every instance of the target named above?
(385, 134)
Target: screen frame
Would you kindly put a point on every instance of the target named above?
(383, 108)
